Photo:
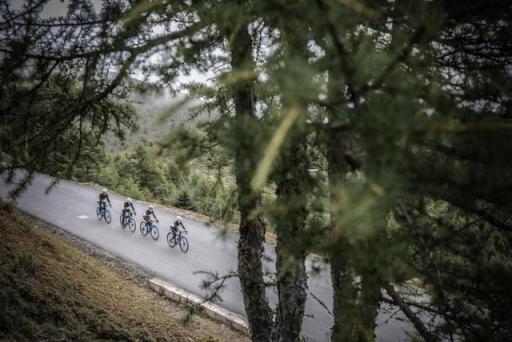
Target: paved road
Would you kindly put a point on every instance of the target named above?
(71, 206)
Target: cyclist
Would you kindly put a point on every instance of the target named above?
(127, 207)
(175, 227)
(148, 213)
(103, 199)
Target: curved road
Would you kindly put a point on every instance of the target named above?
(71, 206)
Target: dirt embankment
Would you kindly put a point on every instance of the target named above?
(51, 288)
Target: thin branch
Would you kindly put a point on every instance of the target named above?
(418, 324)
(27, 11)
(321, 303)
(134, 50)
(214, 283)
(399, 58)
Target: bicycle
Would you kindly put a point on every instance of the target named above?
(128, 221)
(179, 238)
(103, 213)
(151, 228)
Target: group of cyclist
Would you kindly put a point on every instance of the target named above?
(128, 208)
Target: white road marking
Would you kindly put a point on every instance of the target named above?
(83, 217)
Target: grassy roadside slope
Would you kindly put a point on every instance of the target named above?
(51, 290)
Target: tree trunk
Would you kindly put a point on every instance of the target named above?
(290, 249)
(252, 229)
(368, 306)
(344, 291)
(293, 185)
(354, 311)
(344, 301)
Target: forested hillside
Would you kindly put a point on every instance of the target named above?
(150, 107)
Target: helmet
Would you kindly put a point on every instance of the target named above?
(178, 219)
(150, 206)
(104, 190)
(129, 200)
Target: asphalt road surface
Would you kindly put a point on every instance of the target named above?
(72, 207)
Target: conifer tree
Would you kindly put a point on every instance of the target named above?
(183, 201)
(409, 101)
(252, 227)
(292, 185)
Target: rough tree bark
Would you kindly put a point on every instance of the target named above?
(290, 249)
(292, 189)
(369, 302)
(252, 229)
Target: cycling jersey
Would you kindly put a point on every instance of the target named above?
(175, 226)
(128, 205)
(148, 213)
(126, 208)
(102, 198)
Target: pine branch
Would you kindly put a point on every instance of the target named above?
(416, 321)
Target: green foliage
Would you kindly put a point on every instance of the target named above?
(183, 201)
(143, 173)
(403, 106)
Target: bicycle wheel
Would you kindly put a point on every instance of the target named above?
(121, 221)
(155, 234)
(98, 213)
(107, 216)
(171, 240)
(131, 225)
(143, 229)
(184, 244)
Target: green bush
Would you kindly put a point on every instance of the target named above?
(142, 173)
(184, 201)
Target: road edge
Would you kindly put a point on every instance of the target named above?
(163, 287)
(270, 238)
(212, 310)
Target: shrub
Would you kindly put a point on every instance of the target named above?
(184, 201)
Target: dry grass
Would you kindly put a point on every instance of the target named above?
(51, 290)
